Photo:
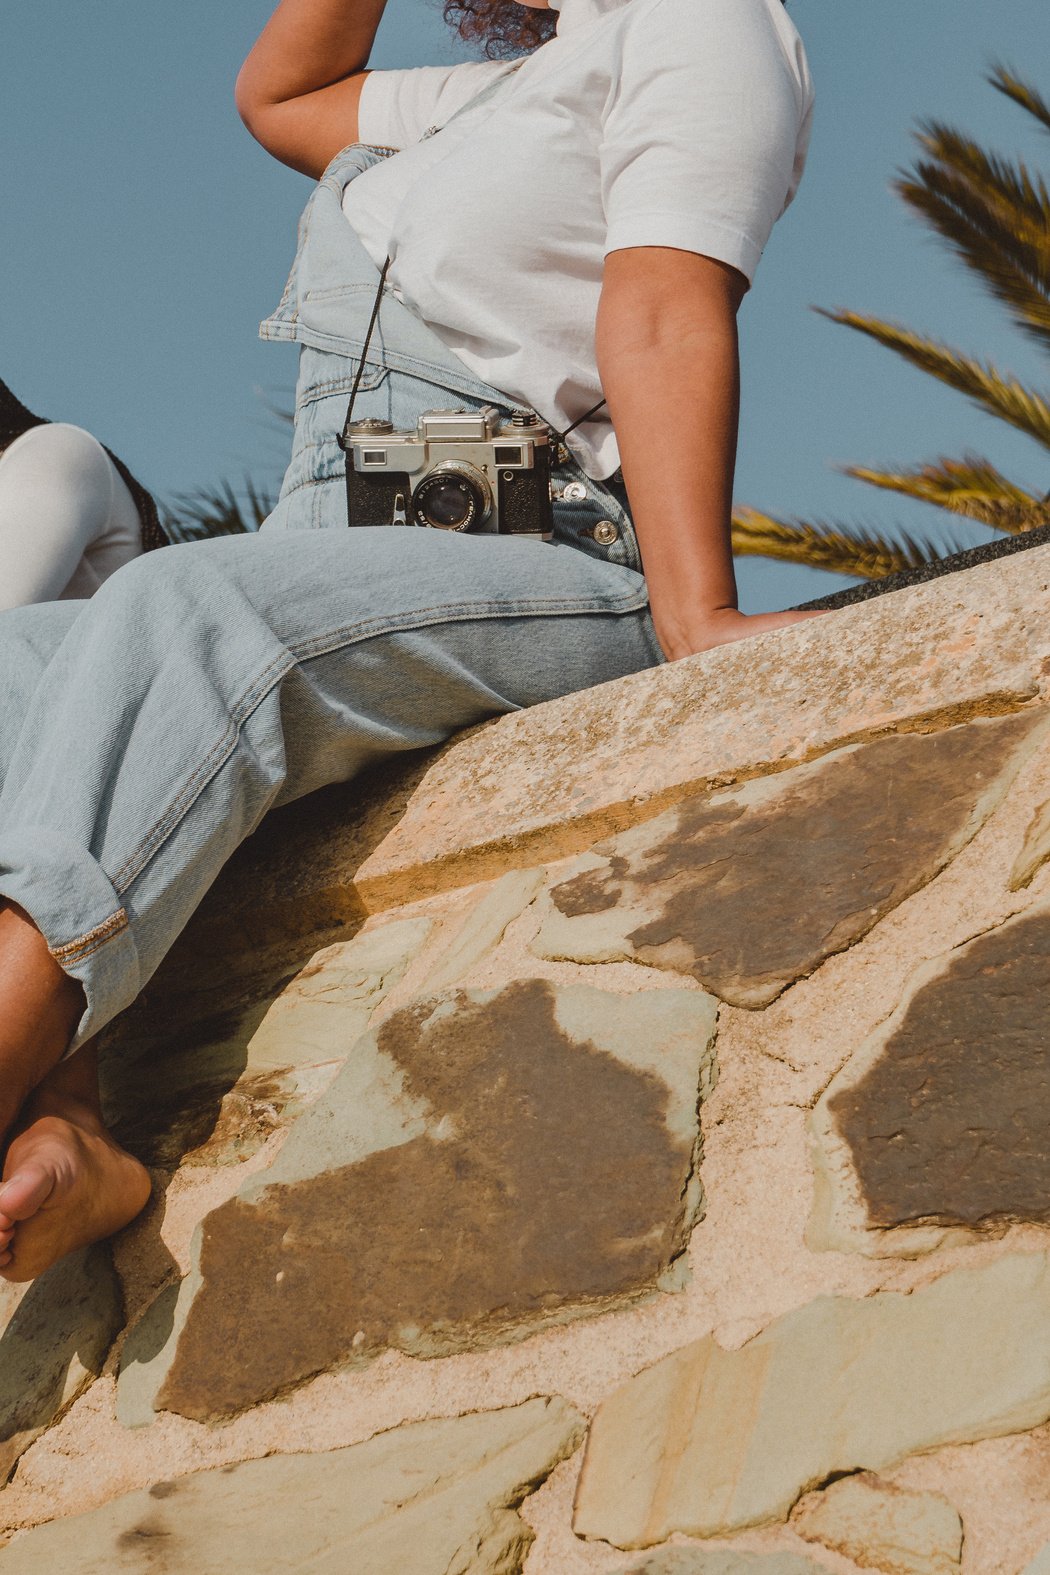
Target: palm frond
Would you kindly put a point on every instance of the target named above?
(1001, 396)
(971, 487)
(841, 549)
(217, 511)
(1002, 184)
(1023, 93)
(998, 228)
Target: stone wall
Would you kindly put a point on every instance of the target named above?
(615, 1145)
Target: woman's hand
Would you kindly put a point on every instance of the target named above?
(669, 364)
(299, 90)
(722, 625)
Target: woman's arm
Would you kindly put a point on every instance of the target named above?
(299, 90)
(669, 366)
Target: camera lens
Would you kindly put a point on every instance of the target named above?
(448, 500)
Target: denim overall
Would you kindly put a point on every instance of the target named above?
(146, 732)
(326, 307)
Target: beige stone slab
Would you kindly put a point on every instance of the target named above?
(433, 1498)
(484, 927)
(884, 1527)
(709, 1442)
(54, 1336)
(325, 1009)
(1040, 1565)
(701, 1561)
(552, 780)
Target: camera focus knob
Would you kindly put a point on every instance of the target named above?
(371, 426)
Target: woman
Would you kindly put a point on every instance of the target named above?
(71, 513)
(586, 222)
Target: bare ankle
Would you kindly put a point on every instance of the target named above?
(40, 1007)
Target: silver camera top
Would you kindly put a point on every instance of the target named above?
(471, 426)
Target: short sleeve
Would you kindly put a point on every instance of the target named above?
(397, 107)
(704, 141)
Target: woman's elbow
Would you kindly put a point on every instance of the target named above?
(247, 99)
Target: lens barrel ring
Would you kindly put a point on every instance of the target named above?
(454, 495)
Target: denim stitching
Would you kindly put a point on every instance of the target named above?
(215, 757)
(465, 612)
(91, 939)
(323, 645)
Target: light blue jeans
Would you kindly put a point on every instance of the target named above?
(146, 732)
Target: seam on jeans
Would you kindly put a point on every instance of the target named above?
(466, 612)
(162, 827)
(324, 645)
(91, 940)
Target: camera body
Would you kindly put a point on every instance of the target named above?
(460, 470)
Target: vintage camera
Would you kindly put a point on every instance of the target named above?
(459, 470)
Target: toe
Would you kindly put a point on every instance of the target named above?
(25, 1193)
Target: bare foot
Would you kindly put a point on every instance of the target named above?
(66, 1183)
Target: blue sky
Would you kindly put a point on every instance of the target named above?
(146, 235)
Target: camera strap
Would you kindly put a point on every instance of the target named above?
(559, 436)
(364, 351)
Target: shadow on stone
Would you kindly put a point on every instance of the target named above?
(716, 888)
(56, 1334)
(947, 1120)
(173, 1066)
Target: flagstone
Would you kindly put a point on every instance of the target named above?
(434, 1498)
(485, 1163)
(707, 1561)
(708, 1442)
(884, 1527)
(941, 1119)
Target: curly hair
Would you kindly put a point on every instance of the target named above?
(505, 27)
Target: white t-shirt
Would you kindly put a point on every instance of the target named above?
(680, 123)
(67, 519)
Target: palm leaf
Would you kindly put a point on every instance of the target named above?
(841, 549)
(1006, 243)
(971, 487)
(217, 511)
(1014, 87)
(1003, 185)
(1001, 396)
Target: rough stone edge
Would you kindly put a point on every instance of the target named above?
(565, 814)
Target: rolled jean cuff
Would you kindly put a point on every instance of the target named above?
(76, 908)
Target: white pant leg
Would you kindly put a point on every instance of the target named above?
(67, 520)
